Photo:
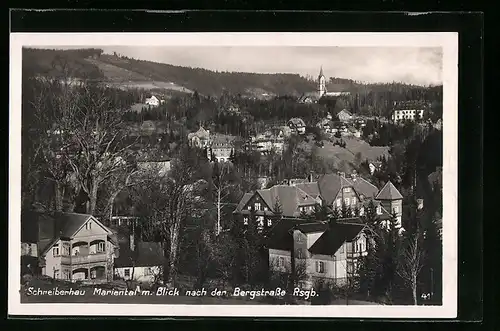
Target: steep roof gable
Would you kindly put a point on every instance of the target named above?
(389, 192)
(364, 187)
(334, 237)
(330, 185)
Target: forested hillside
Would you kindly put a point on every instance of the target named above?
(117, 69)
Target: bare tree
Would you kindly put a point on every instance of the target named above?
(411, 263)
(164, 204)
(222, 184)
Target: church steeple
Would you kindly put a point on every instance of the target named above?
(321, 83)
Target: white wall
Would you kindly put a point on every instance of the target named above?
(141, 274)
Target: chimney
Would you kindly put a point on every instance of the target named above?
(354, 175)
(341, 174)
(311, 177)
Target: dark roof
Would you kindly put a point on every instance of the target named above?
(246, 197)
(290, 198)
(46, 228)
(312, 227)
(279, 236)
(147, 254)
(334, 237)
(329, 186)
(389, 192)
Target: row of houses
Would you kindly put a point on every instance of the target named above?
(327, 251)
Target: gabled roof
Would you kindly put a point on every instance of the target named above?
(147, 254)
(330, 185)
(389, 192)
(297, 121)
(201, 133)
(246, 197)
(344, 112)
(47, 228)
(310, 188)
(290, 198)
(334, 237)
(362, 186)
(279, 236)
(312, 227)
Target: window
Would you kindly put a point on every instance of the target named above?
(88, 225)
(260, 220)
(281, 261)
(395, 209)
(269, 223)
(361, 211)
(379, 210)
(65, 250)
(339, 202)
(148, 271)
(245, 220)
(55, 250)
(265, 208)
(127, 272)
(56, 274)
(346, 201)
(320, 267)
(249, 207)
(347, 189)
(353, 201)
(257, 206)
(101, 247)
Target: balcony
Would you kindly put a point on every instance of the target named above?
(83, 259)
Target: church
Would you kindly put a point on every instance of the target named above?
(321, 92)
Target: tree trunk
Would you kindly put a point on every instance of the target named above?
(59, 195)
(218, 212)
(414, 289)
(109, 205)
(172, 254)
(92, 197)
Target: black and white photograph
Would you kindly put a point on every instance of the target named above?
(243, 174)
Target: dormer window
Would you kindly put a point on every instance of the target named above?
(245, 220)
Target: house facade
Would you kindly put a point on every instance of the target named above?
(344, 116)
(322, 251)
(407, 114)
(222, 146)
(297, 125)
(267, 142)
(139, 261)
(200, 138)
(153, 101)
(71, 246)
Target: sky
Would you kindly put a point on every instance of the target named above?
(415, 65)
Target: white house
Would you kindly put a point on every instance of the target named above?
(407, 114)
(327, 252)
(70, 246)
(153, 101)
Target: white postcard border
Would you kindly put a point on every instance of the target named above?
(447, 40)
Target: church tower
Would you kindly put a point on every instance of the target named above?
(321, 83)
